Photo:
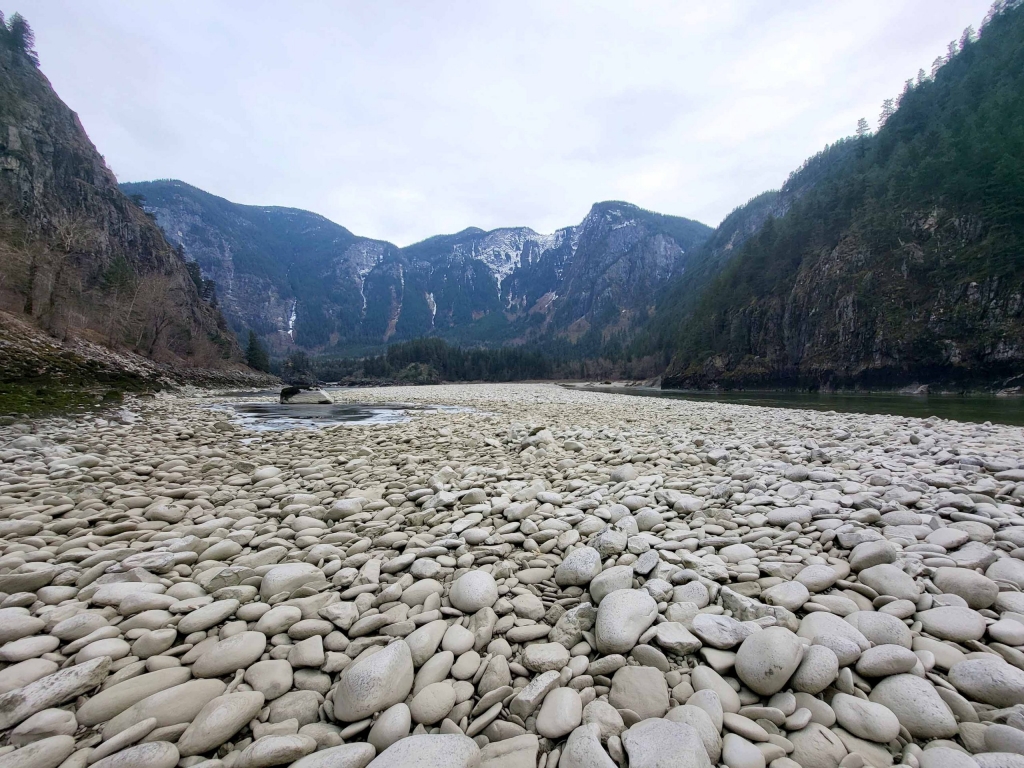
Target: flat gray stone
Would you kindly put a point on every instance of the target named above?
(989, 681)
(917, 706)
(583, 749)
(374, 683)
(622, 617)
(641, 689)
(429, 751)
(767, 659)
(218, 721)
(355, 755)
(660, 743)
(51, 691)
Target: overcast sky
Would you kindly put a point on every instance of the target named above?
(401, 120)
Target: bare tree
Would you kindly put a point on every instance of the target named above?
(73, 234)
(157, 310)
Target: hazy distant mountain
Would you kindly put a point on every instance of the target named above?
(298, 278)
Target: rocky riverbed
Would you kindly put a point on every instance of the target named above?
(540, 577)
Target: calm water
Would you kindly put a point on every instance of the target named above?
(975, 408)
(273, 416)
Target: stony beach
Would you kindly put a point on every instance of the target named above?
(540, 577)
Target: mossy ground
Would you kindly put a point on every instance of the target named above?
(47, 398)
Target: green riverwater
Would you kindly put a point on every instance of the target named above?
(973, 408)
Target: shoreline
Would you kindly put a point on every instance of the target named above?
(514, 574)
(923, 391)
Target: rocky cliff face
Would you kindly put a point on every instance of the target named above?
(859, 316)
(76, 256)
(299, 279)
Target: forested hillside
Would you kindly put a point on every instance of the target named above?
(77, 258)
(900, 262)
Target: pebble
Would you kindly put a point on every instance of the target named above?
(516, 752)
(640, 689)
(583, 749)
(433, 703)
(52, 690)
(393, 724)
(979, 591)
(374, 683)
(709, 730)
(539, 576)
(275, 750)
(428, 751)
(152, 754)
(218, 721)
(578, 568)
(888, 579)
(818, 668)
(886, 660)
(560, 713)
(917, 706)
(657, 742)
(953, 623)
(989, 681)
(179, 704)
(344, 756)
(737, 752)
(817, 747)
(42, 725)
(44, 753)
(944, 757)
(226, 656)
(865, 719)
(117, 698)
(622, 617)
(767, 659)
(473, 591)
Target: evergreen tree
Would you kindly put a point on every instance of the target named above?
(22, 37)
(908, 86)
(256, 354)
(966, 38)
(888, 109)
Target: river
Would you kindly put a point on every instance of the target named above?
(969, 408)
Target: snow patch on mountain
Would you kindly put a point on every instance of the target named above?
(362, 257)
(501, 250)
(433, 307)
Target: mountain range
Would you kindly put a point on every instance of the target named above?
(298, 279)
(891, 259)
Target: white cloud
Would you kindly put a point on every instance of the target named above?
(403, 120)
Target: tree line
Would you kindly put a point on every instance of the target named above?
(949, 149)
